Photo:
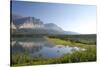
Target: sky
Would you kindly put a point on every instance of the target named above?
(70, 17)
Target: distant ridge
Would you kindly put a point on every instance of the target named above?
(34, 25)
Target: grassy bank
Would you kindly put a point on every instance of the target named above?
(84, 39)
(57, 41)
(78, 56)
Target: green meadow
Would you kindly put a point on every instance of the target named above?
(88, 42)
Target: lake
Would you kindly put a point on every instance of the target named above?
(40, 47)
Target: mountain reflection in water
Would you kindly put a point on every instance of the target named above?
(39, 47)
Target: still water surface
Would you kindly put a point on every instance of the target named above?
(40, 47)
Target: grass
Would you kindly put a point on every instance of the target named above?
(57, 41)
(84, 39)
(77, 56)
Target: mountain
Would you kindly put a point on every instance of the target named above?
(52, 26)
(32, 25)
(70, 33)
(27, 20)
(53, 29)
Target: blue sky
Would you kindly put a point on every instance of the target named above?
(70, 17)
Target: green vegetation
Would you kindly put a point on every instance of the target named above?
(84, 41)
(79, 56)
(68, 43)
